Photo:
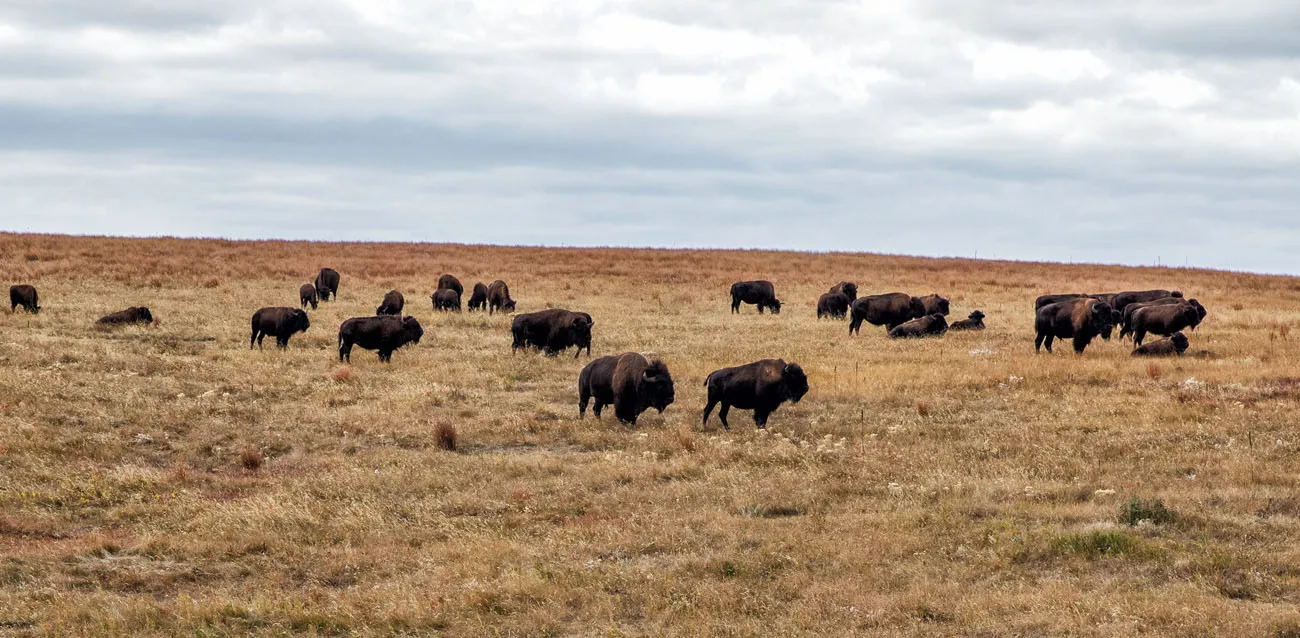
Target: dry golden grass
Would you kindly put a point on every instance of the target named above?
(167, 480)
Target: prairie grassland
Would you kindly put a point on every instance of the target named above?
(168, 480)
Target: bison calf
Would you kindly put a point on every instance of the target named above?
(446, 300)
(479, 298)
(25, 296)
(307, 295)
(974, 322)
(929, 325)
(759, 293)
(134, 314)
(280, 322)
(552, 331)
(631, 382)
(384, 333)
(1174, 346)
(499, 297)
(833, 304)
(761, 386)
(392, 304)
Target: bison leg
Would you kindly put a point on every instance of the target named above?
(722, 415)
(345, 350)
(597, 407)
(708, 408)
(760, 417)
(1038, 342)
(855, 324)
(252, 339)
(1080, 343)
(281, 342)
(1138, 336)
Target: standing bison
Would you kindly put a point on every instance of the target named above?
(1126, 320)
(846, 288)
(888, 310)
(479, 298)
(760, 293)
(327, 284)
(450, 282)
(307, 295)
(631, 382)
(833, 304)
(384, 333)
(392, 304)
(552, 331)
(446, 300)
(1165, 320)
(25, 296)
(134, 314)
(927, 326)
(973, 322)
(1121, 300)
(498, 294)
(761, 386)
(934, 304)
(1174, 346)
(1081, 319)
(280, 322)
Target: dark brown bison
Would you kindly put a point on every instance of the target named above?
(392, 304)
(761, 386)
(446, 300)
(973, 322)
(307, 295)
(499, 297)
(833, 304)
(134, 314)
(478, 299)
(25, 296)
(552, 331)
(934, 304)
(1121, 300)
(846, 288)
(450, 282)
(1045, 300)
(327, 284)
(1126, 318)
(279, 321)
(760, 293)
(1174, 346)
(888, 310)
(384, 333)
(927, 326)
(1081, 319)
(631, 382)
(1164, 320)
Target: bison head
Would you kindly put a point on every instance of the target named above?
(1103, 318)
(1180, 342)
(508, 305)
(145, 315)
(938, 325)
(849, 289)
(300, 321)
(918, 308)
(976, 316)
(1200, 312)
(796, 382)
(774, 306)
(934, 304)
(657, 386)
(580, 328)
(411, 330)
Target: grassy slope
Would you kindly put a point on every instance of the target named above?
(918, 488)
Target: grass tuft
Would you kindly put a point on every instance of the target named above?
(445, 435)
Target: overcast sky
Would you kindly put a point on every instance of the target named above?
(1109, 130)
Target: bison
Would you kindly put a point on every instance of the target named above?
(1081, 319)
(1126, 317)
(929, 325)
(25, 296)
(975, 321)
(1165, 320)
(1123, 299)
(1174, 346)
(280, 321)
(761, 386)
(760, 293)
(327, 284)
(478, 299)
(307, 295)
(833, 304)
(392, 304)
(134, 314)
(846, 288)
(450, 282)
(888, 310)
(552, 331)
(384, 333)
(446, 300)
(631, 382)
(499, 297)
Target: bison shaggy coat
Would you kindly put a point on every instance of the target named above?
(327, 284)
(929, 325)
(552, 331)
(761, 293)
(280, 322)
(761, 386)
(1081, 319)
(1174, 346)
(888, 310)
(833, 304)
(973, 322)
(631, 382)
(499, 297)
(934, 304)
(307, 295)
(134, 314)
(23, 295)
(392, 304)
(446, 300)
(1165, 320)
(384, 333)
(846, 288)
(478, 298)
(450, 282)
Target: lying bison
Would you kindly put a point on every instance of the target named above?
(25, 296)
(392, 304)
(552, 331)
(384, 333)
(760, 293)
(888, 310)
(927, 326)
(499, 297)
(846, 288)
(1081, 319)
(307, 295)
(446, 300)
(134, 314)
(1121, 300)
(631, 382)
(1165, 320)
(973, 322)
(478, 299)
(1174, 346)
(450, 282)
(280, 322)
(761, 386)
(833, 304)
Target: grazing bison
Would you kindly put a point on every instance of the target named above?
(834, 305)
(307, 295)
(279, 321)
(1080, 319)
(446, 300)
(450, 282)
(1174, 346)
(384, 333)
(760, 293)
(499, 297)
(934, 304)
(761, 386)
(974, 322)
(478, 298)
(134, 314)
(929, 325)
(888, 310)
(1126, 317)
(631, 382)
(327, 284)
(846, 288)
(1165, 320)
(552, 331)
(392, 304)
(1123, 299)
(25, 296)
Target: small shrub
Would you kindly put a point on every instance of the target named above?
(923, 408)
(445, 433)
(211, 282)
(1137, 510)
(251, 460)
(342, 374)
(686, 439)
(1096, 544)
(1154, 371)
